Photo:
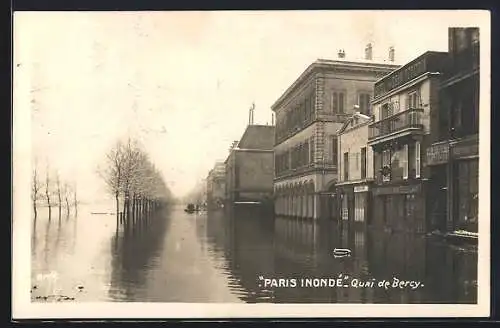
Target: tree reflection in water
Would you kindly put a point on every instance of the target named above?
(254, 245)
(135, 253)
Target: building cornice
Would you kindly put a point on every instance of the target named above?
(322, 65)
(250, 150)
(405, 86)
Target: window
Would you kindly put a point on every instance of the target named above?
(311, 151)
(359, 206)
(357, 161)
(386, 162)
(345, 209)
(412, 101)
(334, 150)
(306, 153)
(337, 102)
(346, 166)
(363, 163)
(386, 110)
(364, 103)
(312, 105)
(341, 102)
(417, 159)
(404, 161)
(468, 192)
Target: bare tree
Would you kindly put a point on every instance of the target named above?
(132, 158)
(129, 173)
(35, 189)
(75, 200)
(47, 191)
(67, 191)
(59, 193)
(113, 173)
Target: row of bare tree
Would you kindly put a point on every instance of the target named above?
(65, 193)
(131, 177)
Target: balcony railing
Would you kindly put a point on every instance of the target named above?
(408, 119)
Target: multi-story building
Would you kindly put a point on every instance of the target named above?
(455, 157)
(406, 107)
(355, 163)
(216, 186)
(308, 116)
(250, 166)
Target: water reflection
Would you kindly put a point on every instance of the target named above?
(255, 246)
(135, 252)
(219, 257)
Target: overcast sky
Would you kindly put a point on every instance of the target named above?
(182, 81)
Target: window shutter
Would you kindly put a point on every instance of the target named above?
(311, 152)
(334, 150)
(405, 161)
(334, 102)
(417, 159)
(326, 150)
(341, 102)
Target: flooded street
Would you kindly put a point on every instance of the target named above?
(226, 257)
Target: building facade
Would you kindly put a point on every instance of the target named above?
(308, 116)
(216, 186)
(406, 107)
(250, 167)
(355, 163)
(454, 158)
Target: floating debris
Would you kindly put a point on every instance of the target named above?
(341, 252)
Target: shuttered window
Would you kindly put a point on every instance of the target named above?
(404, 161)
(363, 163)
(364, 103)
(386, 161)
(417, 159)
(337, 102)
(334, 150)
(311, 151)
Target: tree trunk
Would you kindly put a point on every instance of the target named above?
(48, 203)
(132, 210)
(34, 208)
(67, 206)
(117, 210)
(59, 203)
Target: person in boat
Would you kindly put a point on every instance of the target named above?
(190, 208)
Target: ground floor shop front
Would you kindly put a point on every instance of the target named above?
(454, 185)
(355, 203)
(400, 206)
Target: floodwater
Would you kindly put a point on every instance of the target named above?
(243, 256)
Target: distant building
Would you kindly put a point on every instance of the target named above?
(355, 163)
(406, 105)
(454, 157)
(308, 116)
(216, 185)
(250, 166)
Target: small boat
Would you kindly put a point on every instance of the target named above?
(341, 252)
(191, 208)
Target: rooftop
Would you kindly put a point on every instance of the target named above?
(359, 64)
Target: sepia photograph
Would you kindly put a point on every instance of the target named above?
(205, 164)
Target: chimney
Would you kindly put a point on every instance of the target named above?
(391, 54)
(341, 53)
(368, 51)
